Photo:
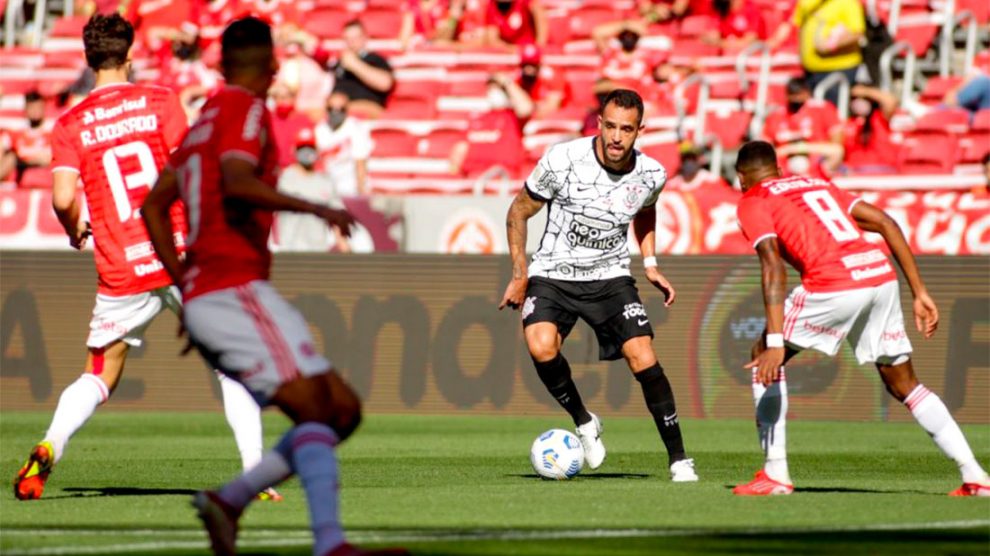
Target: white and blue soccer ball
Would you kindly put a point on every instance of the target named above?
(557, 454)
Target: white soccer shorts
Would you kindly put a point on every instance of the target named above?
(126, 317)
(251, 333)
(869, 318)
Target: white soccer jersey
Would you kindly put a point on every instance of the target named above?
(590, 209)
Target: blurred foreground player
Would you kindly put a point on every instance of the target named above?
(594, 187)
(115, 141)
(848, 291)
(225, 173)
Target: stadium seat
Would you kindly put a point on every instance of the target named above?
(583, 20)
(975, 144)
(929, 154)
(410, 108)
(668, 154)
(980, 9)
(692, 49)
(919, 33)
(382, 23)
(981, 121)
(393, 142)
(439, 142)
(35, 178)
(730, 128)
(694, 25)
(937, 86)
(327, 23)
(941, 122)
(68, 26)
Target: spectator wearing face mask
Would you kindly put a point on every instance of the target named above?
(344, 144)
(494, 137)
(187, 74)
(740, 24)
(427, 22)
(625, 65)
(866, 135)
(807, 133)
(547, 89)
(305, 232)
(512, 23)
(692, 175)
(287, 121)
(32, 145)
(601, 89)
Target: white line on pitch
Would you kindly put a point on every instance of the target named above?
(262, 538)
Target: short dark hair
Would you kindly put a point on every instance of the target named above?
(240, 38)
(796, 85)
(354, 23)
(756, 154)
(32, 96)
(623, 98)
(107, 40)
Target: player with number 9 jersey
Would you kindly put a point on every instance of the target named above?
(228, 241)
(810, 218)
(117, 139)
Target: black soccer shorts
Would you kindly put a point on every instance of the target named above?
(612, 307)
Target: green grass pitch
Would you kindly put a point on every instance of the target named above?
(463, 485)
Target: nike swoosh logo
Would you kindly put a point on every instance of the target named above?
(643, 322)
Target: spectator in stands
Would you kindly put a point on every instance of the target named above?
(494, 138)
(808, 133)
(287, 121)
(985, 189)
(623, 64)
(427, 22)
(866, 135)
(513, 23)
(740, 24)
(666, 76)
(8, 160)
(344, 144)
(187, 74)
(304, 76)
(363, 76)
(305, 232)
(829, 35)
(692, 175)
(601, 89)
(547, 90)
(973, 94)
(661, 11)
(32, 145)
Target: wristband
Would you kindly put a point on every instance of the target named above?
(649, 262)
(775, 340)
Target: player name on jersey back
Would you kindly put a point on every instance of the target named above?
(812, 223)
(589, 211)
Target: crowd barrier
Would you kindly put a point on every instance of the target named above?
(421, 334)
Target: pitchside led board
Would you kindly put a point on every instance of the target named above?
(422, 334)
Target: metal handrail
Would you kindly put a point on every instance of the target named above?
(762, 84)
(887, 72)
(680, 103)
(835, 79)
(893, 18)
(972, 27)
(37, 32)
(489, 176)
(945, 41)
(13, 8)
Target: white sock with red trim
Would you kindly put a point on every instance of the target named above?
(244, 417)
(771, 424)
(935, 418)
(76, 405)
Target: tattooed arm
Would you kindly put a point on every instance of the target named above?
(523, 207)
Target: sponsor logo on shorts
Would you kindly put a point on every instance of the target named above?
(893, 335)
(529, 305)
(150, 267)
(633, 310)
(873, 272)
(111, 326)
(307, 349)
(823, 330)
(863, 259)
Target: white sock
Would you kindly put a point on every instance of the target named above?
(771, 422)
(935, 418)
(270, 471)
(76, 405)
(244, 418)
(314, 460)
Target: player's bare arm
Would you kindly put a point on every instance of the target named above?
(523, 208)
(645, 228)
(240, 182)
(67, 208)
(155, 212)
(871, 219)
(774, 279)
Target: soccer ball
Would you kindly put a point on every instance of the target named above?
(557, 454)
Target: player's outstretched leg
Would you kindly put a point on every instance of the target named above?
(931, 413)
(244, 417)
(771, 421)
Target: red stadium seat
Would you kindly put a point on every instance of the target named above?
(668, 154)
(35, 178)
(974, 146)
(919, 36)
(393, 142)
(692, 49)
(695, 25)
(584, 19)
(326, 23)
(941, 122)
(382, 23)
(439, 142)
(68, 26)
(410, 108)
(929, 154)
(936, 87)
(981, 121)
(980, 9)
(730, 129)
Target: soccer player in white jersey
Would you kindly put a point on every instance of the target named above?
(594, 187)
(848, 292)
(114, 142)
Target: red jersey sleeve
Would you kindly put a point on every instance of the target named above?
(241, 134)
(64, 153)
(754, 219)
(830, 119)
(845, 199)
(175, 121)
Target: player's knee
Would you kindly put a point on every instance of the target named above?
(542, 347)
(898, 376)
(345, 407)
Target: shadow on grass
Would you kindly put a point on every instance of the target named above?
(847, 490)
(597, 476)
(85, 492)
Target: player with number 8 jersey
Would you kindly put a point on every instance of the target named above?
(116, 140)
